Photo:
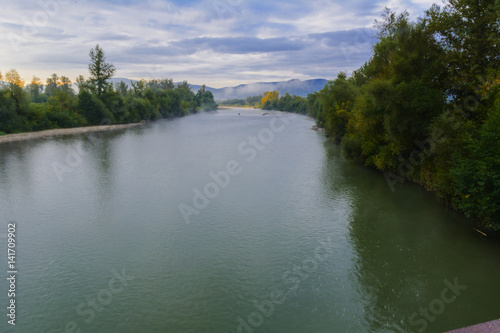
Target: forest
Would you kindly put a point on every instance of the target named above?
(36, 107)
(425, 108)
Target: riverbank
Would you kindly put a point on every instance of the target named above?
(61, 132)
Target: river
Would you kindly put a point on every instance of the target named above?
(230, 221)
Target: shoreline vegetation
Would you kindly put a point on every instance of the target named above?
(37, 107)
(7, 138)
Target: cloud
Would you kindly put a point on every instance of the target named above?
(214, 42)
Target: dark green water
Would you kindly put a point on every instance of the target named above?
(288, 237)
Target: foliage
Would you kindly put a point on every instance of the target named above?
(253, 101)
(270, 100)
(97, 101)
(205, 99)
(100, 70)
(14, 78)
(468, 33)
(475, 170)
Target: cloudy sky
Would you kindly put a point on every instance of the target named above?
(215, 42)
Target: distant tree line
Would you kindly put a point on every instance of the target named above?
(35, 106)
(426, 106)
(253, 101)
(271, 101)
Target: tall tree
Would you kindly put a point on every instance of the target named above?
(122, 88)
(81, 83)
(16, 84)
(270, 99)
(14, 78)
(35, 87)
(66, 84)
(469, 33)
(100, 70)
(52, 85)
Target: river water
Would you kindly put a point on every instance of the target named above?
(230, 221)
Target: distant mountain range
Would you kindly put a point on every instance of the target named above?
(293, 87)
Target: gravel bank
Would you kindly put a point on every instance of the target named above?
(60, 132)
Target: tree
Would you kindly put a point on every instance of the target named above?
(10, 122)
(66, 85)
(16, 91)
(187, 96)
(205, 99)
(52, 84)
(139, 87)
(14, 78)
(81, 83)
(122, 88)
(270, 96)
(35, 87)
(163, 84)
(476, 172)
(469, 33)
(337, 99)
(100, 70)
(93, 109)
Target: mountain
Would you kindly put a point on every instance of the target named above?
(293, 87)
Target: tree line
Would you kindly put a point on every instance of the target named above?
(35, 106)
(426, 107)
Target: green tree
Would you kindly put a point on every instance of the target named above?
(188, 103)
(52, 85)
(93, 109)
(468, 31)
(35, 88)
(81, 83)
(122, 88)
(337, 99)
(66, 85)
(16, 92)
(205, 99)
(100, 70)
(162, 84)
(139, 87)
(10, 122)
(170, 104)
(475, 172)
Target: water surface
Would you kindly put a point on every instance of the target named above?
(288, 237)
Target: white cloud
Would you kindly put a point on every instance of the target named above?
(160, 38)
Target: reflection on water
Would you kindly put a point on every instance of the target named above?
(408, 250)
(344, 252)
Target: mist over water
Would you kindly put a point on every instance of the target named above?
(279, 234)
